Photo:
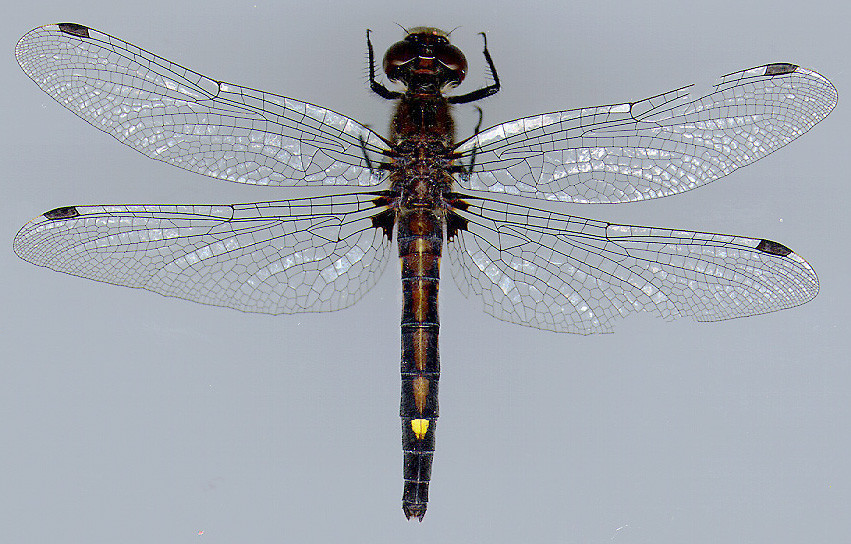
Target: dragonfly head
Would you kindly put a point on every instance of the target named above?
(425, 59)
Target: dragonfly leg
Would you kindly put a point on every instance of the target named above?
(484, 92)
(468, 171)
(374, 85)
(374, 168)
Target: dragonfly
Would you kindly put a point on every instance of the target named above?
(526, 264)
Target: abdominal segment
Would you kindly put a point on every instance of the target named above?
(420, 238)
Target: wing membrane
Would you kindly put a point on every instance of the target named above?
(301, 255)
(568, 274)
(178, 116)
(655, 147)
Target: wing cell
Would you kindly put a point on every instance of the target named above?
(569, 274)
(173, 114)
(289, 256)
(659, 146)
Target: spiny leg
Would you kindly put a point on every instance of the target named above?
(467, 171)
(485, 91)
(374, 85)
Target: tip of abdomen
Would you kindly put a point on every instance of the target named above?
(414, 510)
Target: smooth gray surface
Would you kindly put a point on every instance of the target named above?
(129, 417)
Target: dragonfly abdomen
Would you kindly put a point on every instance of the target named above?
(420, 239)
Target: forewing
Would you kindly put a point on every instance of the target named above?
(173, 114)
(568, 274)
(652, 148)
(302, 255)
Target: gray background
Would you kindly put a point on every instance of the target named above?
(129, 417)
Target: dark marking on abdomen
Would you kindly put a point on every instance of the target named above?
(420, 239)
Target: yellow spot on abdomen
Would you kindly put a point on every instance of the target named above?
(420, 427)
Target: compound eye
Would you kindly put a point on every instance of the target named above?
(398, 54)
(453, 59)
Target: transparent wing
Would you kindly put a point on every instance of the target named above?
(181, 117)
(568, 274)
(302, 255)
(652, 148)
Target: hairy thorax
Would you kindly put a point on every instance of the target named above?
(423, 132)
